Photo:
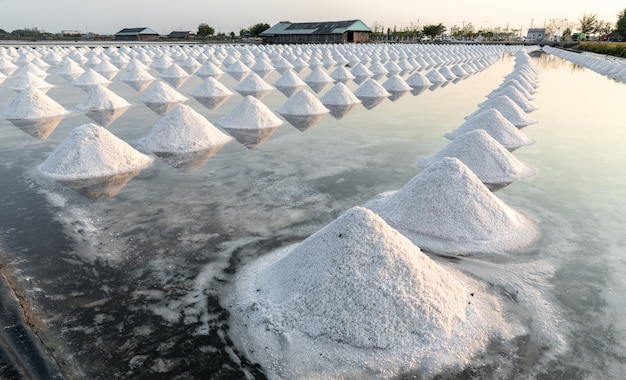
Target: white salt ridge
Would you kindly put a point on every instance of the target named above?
(483, 155)
(29, 80)
(29, 67)
(339, 95)
(447, 209)
(358, 300)
(498, 127)
(90, 151)
(396, 84)
(183, 130)
(515, 84)
(101, 98)
(160, 92)
(371, 89)
(515, 95)
(250, 113)
(210, 87)
(508, 109)
(32, 103)
(302, 103)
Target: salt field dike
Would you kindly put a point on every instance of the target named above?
(311, 211)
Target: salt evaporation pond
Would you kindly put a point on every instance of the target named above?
(137, 285)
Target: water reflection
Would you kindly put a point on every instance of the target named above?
(189, 161)
(39, 128)
(105, 117)
(339, 111)
(100, 187)
(371, 102)
(303, 122)
(162, 108)
(211, 102)
(250, 138)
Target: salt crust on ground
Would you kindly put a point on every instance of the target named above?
(359, 300)
(183, 130)
(447, 209)
(31, 103)
(159, 92)
(339, 95)
(250, 113)
(498, 127)
(302, 103)
(484, 156)
(90, 151)
(101, 98)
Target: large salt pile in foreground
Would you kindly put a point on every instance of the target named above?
(492, 121)
(487, 158)
(447, 209)
(358, 300)
(183, 130)
(90, 151)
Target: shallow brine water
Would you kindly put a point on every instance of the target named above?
(130, 286)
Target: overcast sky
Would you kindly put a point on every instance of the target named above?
(164, 16)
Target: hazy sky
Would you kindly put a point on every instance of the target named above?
(109, 16)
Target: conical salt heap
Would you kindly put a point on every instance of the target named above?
(30, 68)
(339, 100)
(318, 79)
(289, 83)
(250, 122)
(137, 78)
(395, 84)
(161, 98)
(32, 103)
(515, 95)
(341, 74)
(90, 78)
(211, 93)
(358, 298)
(209, 69)
(435, 76)
(302, 110)
(183, 130)
(418, 80)
(253, 85)
(90, 151)
(29, 80)
(101, 98)
(509, 109)
(175, 75)
(447, 209)
(371, 93)
(487, 158)
(498, 127)
(238, 70)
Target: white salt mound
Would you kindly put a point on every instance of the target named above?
(483, 155)
(339, 95)
(90, 151)
(253, 82)
(515, 95)
(302, 103)
(396, 84)
(210, 87)
(509, 109)
(492, 121)
(358, 299)
(418, 80)
(250, 113)
(29, 80)
(318, 75)
(289, 79)
(371, 89)
(31, 103)
(90, 78)
(101, 98)
(447, 209)
(183, 130)
(160, 92)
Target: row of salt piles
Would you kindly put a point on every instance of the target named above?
(360, 299)
(610, 67)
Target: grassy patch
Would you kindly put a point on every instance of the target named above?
(617, 49)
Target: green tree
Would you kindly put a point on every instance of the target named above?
(588, 23)
(257, 29)
(205, 30)
(434, 30)
(621, 23)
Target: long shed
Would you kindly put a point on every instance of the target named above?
(136, 34)
(317, 32)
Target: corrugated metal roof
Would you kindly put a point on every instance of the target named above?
(135, 31)
(327, 27)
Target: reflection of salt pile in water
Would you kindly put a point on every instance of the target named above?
(492, 121)
(509, 109)
(447, 209)
(211, 93)
(483, 155)
(253, 85)
(103, 105)
(161, 98)
(339, 100)
(302, 110)
(94, 162)
(358, 299)
(250, 122)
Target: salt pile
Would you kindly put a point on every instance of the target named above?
(342, 74)
(371, 93)
(483, 155)
(509, 109)
(7, 67)
(253, 85)
(30, 68)
(90, 151)
(289, 83)
(183, 130)
(262, 67)
(137, 78)
(318, 79)
(238, 70)
(211, 93)
(358, 300)
(32, 103)
(161, 98)
(339, 100)
(302, 110)
(418, 80)
(70, 69)
(2, 77)
(27, 80)
(209, 69)
(498, 127)
(447, 73)
(90, 78)
(515, 95)
(103, 105)
(175, 75)
(361, 71)
(447, 209)
(396, 86)
(435, 77)
(107, 69)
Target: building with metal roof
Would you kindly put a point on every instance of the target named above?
(136, 34)
(317, 32)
